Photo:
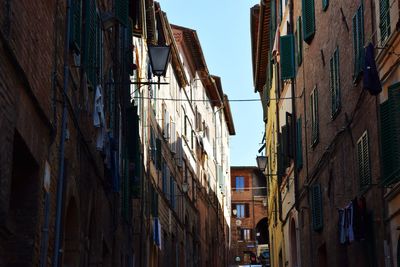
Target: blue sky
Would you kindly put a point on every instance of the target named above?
(223, 27)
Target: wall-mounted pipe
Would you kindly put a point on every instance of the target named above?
(60, 180)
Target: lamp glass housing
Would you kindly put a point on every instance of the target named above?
(261, 162)
(159, 58)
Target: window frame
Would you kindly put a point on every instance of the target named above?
(334, 83)
(364, 161)
(314, 117)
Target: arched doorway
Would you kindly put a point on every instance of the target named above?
(293, 244)
(262, 231)
(71, 236)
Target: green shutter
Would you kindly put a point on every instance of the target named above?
(384, 19)
(325, 4)
(308, 14)
(358, 42)
(122, 11)
(316, 205)
(287, 57)
(273, 24)
(299, 40)
(76, 25)
(299, 146)
(390, 136)
(90, 41)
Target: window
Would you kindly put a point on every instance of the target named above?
(152, 145)
(92, 30)
(289, 138)
(308, 14)
(316, 205)
(287, 57)
(154, 202)
(299, 42)
(364, 169)
(165, 179)
(122, 11)
(334, 81)
(173, 191)
(384, 19)
(390, 137)
(358, 42)
(135, 12)
(325, 4)
(245, 234)
(314, 117)
(299, 148)
(76, 25)
(242, 210)
(239, 183)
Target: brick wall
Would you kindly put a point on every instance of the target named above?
(256, 210)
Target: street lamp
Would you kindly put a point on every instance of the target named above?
(159, 58)
(261, 162)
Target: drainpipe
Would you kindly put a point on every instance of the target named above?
(279, 141)
(294, 121)
(60, 180)
(45, 228)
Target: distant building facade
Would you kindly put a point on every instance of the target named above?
(249, 219)
(315, 99)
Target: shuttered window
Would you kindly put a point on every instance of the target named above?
(136, 14)
(76, 25)
(390, 136)
(325, 4)
(129, 48)
(308, 14)
(273, 24)
(121, 8)
(158, 154)
(384, 19)
(265, 102)
(90, 50)
(172, 185)
(299, 42)
(287, 57)
(153, 148)
(314, 117)
(364, 170)
(358, 42)
(289, 137)
(299, 146)
(239, 184)
(316, 205)
(334, 82)
(165, 179)
(154, 201)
